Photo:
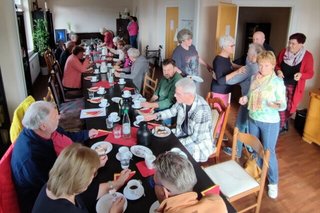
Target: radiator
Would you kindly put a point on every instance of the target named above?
(34, 66)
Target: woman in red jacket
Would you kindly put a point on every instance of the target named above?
(295, 66)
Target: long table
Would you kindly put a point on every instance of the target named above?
(157, 145)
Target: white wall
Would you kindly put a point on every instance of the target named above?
(87, 16)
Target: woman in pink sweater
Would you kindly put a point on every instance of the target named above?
(133, 30)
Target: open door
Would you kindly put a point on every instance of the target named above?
(172, 14)
(226, 21)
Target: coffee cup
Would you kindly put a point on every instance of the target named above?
(134, 187)
(103, 57)
(104, 102)
(94, 78)
(126, 93)
(149, 161)
(139, 118)
(113, 116)
(121, 80)
(96, 70)
(109, 65)
(124, 152)
(136, 103)
(101, 90)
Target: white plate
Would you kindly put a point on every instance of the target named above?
(196, 78)
(124, 96)
(139, 192)
(88, 113)
(104, 106)
(136, 107)
(105, 202)
(99, 93)
(116, 99)
(122, 83)
(116, 120)
(136, 96)
(136, 124)
(179, 151)
(102, 144)
(154, 206)
(118, 156)
(140, 151)
(94, 81)
(161, 135)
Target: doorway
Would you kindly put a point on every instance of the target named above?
(172, 16)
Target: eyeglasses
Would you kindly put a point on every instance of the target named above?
(153, 184)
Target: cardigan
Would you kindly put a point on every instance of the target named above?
(306, 69)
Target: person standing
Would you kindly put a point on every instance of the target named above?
(295, 66)
(133, 30)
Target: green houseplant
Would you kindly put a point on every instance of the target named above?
(41, 40)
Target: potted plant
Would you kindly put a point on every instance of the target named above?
(41, 41)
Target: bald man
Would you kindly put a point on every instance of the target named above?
(257, 38)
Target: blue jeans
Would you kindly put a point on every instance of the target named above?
(268, 135)
(133, 41)
(242, 124)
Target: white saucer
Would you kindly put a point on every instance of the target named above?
(117, 119)
(139, 193)
(116, 99)
(136, 107)
(196, 78)
(118, 156)
(123, 96)
(103, 71)
(104, 106)
(94, 81)
(122, 83)
(136, 124)
(101, 93)
(96, 72)
(154, 206)
(105, 202)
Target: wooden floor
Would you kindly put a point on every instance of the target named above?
(299, 173)
(299, 168)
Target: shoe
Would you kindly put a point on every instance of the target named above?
(273, 191)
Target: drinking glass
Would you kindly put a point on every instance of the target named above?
(109, 123)
(117, 131)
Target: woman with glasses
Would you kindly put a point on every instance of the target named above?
(70, 176)
(295, 66)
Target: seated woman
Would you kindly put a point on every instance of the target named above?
(140, 66)
(71, 175)
(108, 37)
(118, 51)
(74, 67)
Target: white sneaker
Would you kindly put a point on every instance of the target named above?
(273, 191)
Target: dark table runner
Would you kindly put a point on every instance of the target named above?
(157, 145)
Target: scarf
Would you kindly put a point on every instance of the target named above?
(258, 83)
(293, 59)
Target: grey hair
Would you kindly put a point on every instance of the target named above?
(225, 41)
(187, 85)
(102, 30)
(36, 114)
(133, 52)
(176, 172)
(184, 34)
(255, 49)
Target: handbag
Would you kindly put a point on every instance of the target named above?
(251, 165)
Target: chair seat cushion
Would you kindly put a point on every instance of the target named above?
(231, 177)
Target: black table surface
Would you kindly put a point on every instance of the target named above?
(157, 145)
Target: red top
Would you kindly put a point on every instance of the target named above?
(73, 70)
(306, 69)
(108, 39)
(60, 141)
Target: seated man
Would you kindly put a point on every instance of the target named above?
(194, 120)
(163, 98)
(140, 66)
(37, 148)
(174, 180)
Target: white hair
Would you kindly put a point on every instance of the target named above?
(133, 52)
(187, 85)
(184, 34)
(225, 41)
(255, 49)
(36, 114)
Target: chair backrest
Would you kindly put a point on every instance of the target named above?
(152, 70)
(56, 67)
(149, 86)
(8, 194)
(57, 79)
(16, 125)
(256, 145)
(49, 58)
(53, 88)
(222, 114)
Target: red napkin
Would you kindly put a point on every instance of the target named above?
(146, 110)
(124, 141)
(211, 190)
(101, 133)
(143, 169)
(117, 175)
(104, 84)
(128, 88)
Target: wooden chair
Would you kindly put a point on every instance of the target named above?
(8, 194)
(56, 67)
(49, 58)
(152, 70)
(235, 183)
(149, 86)
(220, 115)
